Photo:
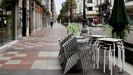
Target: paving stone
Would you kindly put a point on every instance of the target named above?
(39, 64)
(12, 52)
(13, 62)
(5, 58)
(53, 64)
(43, 54)
(20, 55)
(54, 54)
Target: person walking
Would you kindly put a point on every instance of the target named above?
(51, 23)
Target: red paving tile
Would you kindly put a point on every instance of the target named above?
(27, 61)
(8, 55)
(9, 66)
(3, 61)
(17, 58)
(16, 66)
(24, 66)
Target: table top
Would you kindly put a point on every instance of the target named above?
(110, 39)
(98, 36)
(79, 37)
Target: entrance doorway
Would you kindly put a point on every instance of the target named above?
(7, 21)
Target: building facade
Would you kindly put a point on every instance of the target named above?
(53, 9)
(129, 7)
(7, 21)
(48, 11)
(105, 8)
(91, 9)
(20, 18)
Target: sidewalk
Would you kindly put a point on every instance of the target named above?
(34, 53)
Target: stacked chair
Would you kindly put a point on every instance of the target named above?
(61, 55)
(71, 53)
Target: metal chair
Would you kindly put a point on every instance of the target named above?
(61, 55)
(75, 54)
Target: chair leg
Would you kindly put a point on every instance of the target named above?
(114, 53)
(123, 58)
(98, 58)
(111, 65)
(94, 57)
(119, 58)
(104, 61)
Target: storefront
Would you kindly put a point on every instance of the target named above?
(38, 13)
(104, 11)
(130, 14)
(7, 21)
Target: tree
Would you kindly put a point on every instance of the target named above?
(67, 7)
(72, 5)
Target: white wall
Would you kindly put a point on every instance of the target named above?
(94, 8)
(129, 4)
(80, 7)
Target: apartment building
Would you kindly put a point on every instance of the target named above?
(48, 11)
(129, 7)
(90, 9)
(105, 8)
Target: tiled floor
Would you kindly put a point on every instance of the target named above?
(37, 55)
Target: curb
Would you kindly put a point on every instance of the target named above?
(8, 44)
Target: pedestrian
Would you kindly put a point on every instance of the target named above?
(51, 23)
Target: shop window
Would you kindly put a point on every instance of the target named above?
(89, 1)
(89, 8)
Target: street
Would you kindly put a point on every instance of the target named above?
(38, 54)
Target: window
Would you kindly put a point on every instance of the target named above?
(89, 1)
(89, 8)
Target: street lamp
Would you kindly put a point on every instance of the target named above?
(1, 21)
(24, 18)
(84, 14)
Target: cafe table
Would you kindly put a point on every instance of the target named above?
(114, 43)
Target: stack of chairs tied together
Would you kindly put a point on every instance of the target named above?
(72, 53)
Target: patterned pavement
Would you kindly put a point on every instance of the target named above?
(39, 51)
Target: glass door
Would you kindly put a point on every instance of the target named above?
(7, 24)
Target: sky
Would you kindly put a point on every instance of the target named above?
(58, 5)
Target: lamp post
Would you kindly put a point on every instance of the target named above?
(84, 13)
(71, 18)
(24, 18)
(1, 21)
